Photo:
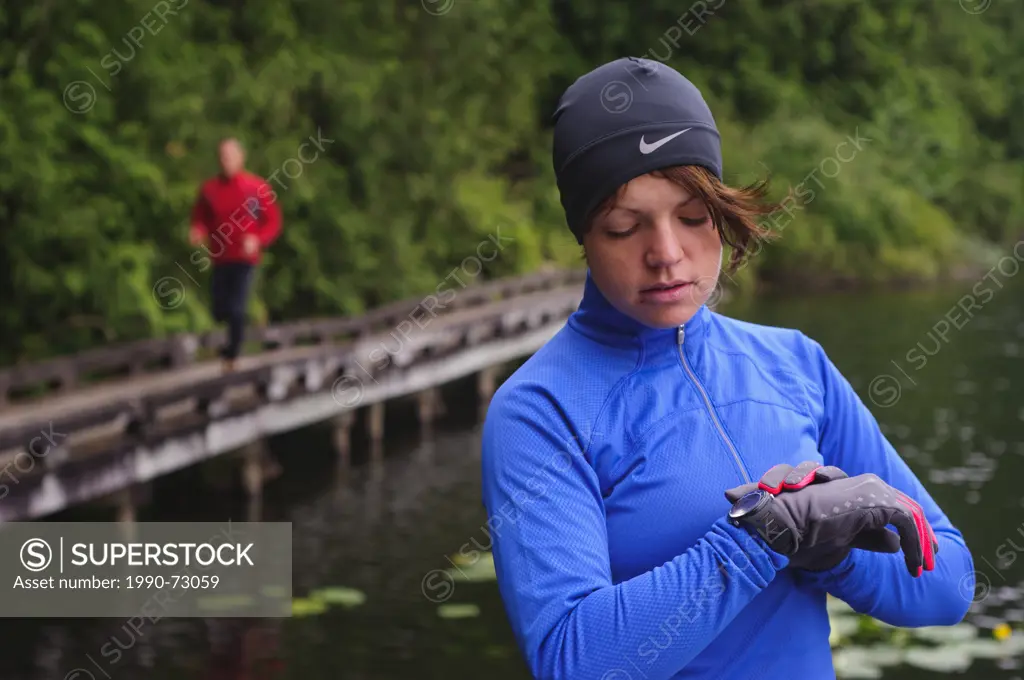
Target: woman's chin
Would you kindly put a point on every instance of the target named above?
(667, 316)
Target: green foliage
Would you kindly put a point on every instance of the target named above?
(435, 136)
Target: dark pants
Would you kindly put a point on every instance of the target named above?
(231, 281)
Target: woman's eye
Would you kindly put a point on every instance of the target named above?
(622, 234)
(694, 221)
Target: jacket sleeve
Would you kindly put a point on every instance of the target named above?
(270, 215)
(550, 547)
(201, 218)
(879, 584)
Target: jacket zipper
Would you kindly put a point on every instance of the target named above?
(680, 335)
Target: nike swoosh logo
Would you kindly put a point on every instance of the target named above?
(646, 148)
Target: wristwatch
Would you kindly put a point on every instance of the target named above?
(745, 511)
(755, 512)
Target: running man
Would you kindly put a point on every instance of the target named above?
(234, 219)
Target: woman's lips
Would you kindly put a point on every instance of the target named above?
(667, 295)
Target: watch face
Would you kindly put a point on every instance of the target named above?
(747, 504)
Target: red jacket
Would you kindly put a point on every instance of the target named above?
(229, 208)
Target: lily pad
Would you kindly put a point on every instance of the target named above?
(836, 606)
(339, 595)
(946, 659)
(477, 571)
(995, 649)
(843, 627)
(885, 655)
(461, 560)
(946, 634)
(308, 607)
(855, 663)
(985, 621)
(458, 611)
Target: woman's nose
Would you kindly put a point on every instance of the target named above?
(664, 249)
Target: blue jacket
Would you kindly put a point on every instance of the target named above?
(605, 461)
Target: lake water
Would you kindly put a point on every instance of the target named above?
(949, 399)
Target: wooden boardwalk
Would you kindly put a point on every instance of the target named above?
(160, 409)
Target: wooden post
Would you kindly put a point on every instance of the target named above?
(254, 508)
(125, 506)
(373, 498)
(440, 411)
(375, 427)
(253, 475)
(342, 435)
(485, 381)
(427, 402)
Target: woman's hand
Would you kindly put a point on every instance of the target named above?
(821, 556)
(817, 514)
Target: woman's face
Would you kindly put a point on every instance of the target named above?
(656, 255)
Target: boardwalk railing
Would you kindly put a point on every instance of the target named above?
(65, 374)
(142, 411)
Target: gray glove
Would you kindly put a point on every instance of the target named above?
(816, 514)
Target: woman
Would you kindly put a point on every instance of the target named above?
(613, 456)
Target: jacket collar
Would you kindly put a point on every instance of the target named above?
(233, 179)
(598, 320)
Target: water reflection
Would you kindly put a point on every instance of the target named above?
(245, 649)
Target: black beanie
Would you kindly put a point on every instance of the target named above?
(622, 120)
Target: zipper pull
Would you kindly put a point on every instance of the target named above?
(680, 334)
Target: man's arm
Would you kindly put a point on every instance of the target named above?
(201, 220)
(270, 215)
(878, 583)
(547, 524)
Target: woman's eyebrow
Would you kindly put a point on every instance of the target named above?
(635, 211)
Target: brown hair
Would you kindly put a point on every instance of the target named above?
(733, 211)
